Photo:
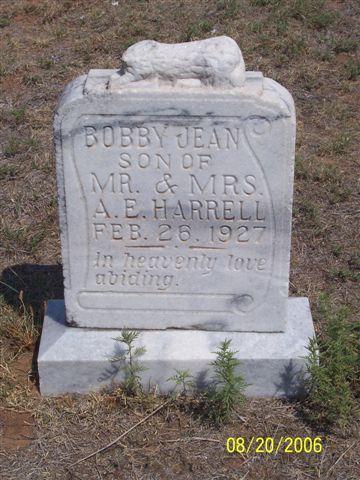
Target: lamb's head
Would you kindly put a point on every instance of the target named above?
(137, 59)
(138, 51)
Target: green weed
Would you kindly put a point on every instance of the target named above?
(46, 63)
(8, 171)
(130, 364)
(4, 22)
(229, 7)
(331, 175)
(309, 214)
(333, 368)
(325, 54)
(32, 80)
(256, 27)
(183, 380)
(228, 386)
(327, 173)
(345, 274)
(3, 70)
(354, 261)
(13, 147)
(322, 19)
(196, 30)
(293, 46)
(339, 144)
(301, 169)
(307, 80)
(338, 193)
(35, 240)
(347, 45)
(281, 25)
(352, 69)
(31, 143)
(18, 114)
(20, 238)
(16, 146)
(130, 41)
(337, 250)
(312, 12)
(266, 3)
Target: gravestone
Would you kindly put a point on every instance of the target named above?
(175, 183)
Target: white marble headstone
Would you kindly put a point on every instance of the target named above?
(175, 182)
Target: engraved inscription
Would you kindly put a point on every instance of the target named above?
(169, 205)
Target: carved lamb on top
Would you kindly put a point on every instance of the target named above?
(215, 61)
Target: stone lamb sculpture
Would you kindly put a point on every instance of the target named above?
(215, 61)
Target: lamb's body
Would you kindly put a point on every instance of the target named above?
(215, 61)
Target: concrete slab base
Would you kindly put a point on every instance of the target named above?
(80, 359)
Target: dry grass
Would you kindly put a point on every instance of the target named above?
(172, 444)
(309, 47)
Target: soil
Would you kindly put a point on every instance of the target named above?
(16, 430)
(311, 48)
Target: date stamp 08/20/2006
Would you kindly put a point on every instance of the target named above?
(270, 445)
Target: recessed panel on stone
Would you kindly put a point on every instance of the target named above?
(175, 204)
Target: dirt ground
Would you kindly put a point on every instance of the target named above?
(309, 46)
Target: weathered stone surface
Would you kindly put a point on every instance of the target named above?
(175, 183)
(215, 61)
(175, 202)
(79, 360)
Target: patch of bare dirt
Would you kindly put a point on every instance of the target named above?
(16, 430)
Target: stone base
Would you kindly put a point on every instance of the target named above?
(79, 360)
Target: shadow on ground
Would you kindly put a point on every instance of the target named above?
(34, 284)
(30, 286)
